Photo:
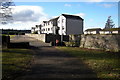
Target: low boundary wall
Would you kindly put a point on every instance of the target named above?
(38, 36)
(48, 37)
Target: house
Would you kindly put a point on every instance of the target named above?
(110, 31)
(102, 31)
(70, 24)
(32, 29)
(63, 25)
(49, 27)
(93, 31)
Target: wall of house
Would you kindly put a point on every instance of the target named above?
(62, 25)
(46, 27)
(104, 42)
(74, 26)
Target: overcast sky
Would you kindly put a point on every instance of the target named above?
(29, 14)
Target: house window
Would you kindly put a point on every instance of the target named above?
(48, 29)
(62, 20)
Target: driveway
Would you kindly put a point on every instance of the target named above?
(32, 41)
(51, 63)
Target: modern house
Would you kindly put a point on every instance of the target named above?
(63, 25)
(49, 27)
(93, 31)
(102, 31)
(70, 24)
(110, 31)
(32, 29)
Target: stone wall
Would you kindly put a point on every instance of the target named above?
(104, 42)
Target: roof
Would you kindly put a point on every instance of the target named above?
(93, 29)
(54, 19)
(45, 21)
(112, 29)
(72, 16)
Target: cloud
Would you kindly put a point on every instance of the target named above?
(26, 17)
(28, 13)
(80, 14)
(108, 5)
(68, 5)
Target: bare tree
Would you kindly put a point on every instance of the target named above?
(6, 11)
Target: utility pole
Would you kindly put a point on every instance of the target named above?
(6, 11)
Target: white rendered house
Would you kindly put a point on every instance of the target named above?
(63, 25)
(49, 27)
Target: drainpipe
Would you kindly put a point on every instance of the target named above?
(61, 32)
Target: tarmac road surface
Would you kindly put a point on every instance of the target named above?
(51, 63)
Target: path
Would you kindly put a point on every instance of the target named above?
(50, 63)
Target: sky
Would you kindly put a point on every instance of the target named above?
(95, 14)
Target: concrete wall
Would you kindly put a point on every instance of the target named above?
(38, 36)
(48, 37)
(104, 42)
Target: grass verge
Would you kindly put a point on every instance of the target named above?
(105, 64)
(15, 62)
(11, 36)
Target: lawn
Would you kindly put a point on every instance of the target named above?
(11, 36)
(15, 62)
(105, 64)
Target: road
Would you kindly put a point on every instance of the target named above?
(51, 63)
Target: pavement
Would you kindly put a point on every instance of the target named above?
(51, 63)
